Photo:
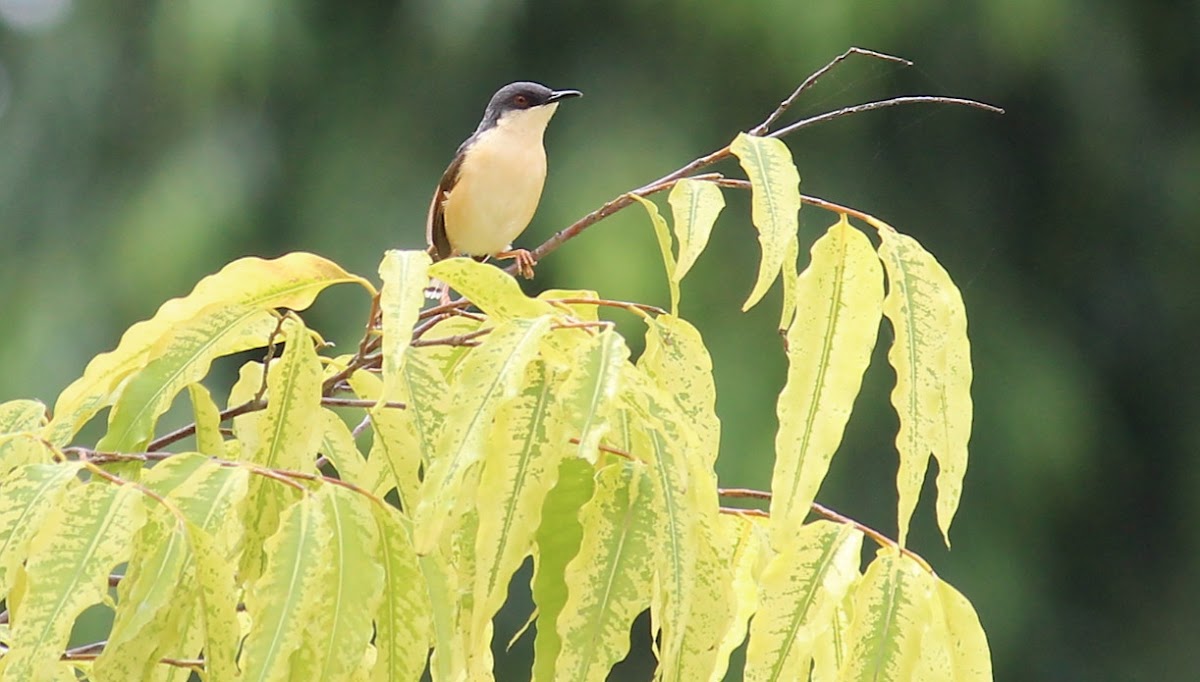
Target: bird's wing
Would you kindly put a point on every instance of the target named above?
(435, 224)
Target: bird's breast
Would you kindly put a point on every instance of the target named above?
(498, 189)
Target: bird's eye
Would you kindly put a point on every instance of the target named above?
(521, 101)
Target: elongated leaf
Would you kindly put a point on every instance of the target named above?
(206, 492)
(403, 617)
(491, 289)
(954, 648)
(405, 274)
(208, 421)
(154, 583)
(292, 281)
(743, 544)
(217, 602)
(490, 375)
(775, 203)
(351, 591)
(695, 205)
(17, 416)
(70, 557)
(932, 359)
(798, 592)
(337, 444)
(829, 347)
(27, 496)
(790, 263)
(663, 234)
(559, 537)
(832, 648)
(678, 362)
(520, 464)
(181, 357)
(591, 389)
(891, 613)
(608, 582)
(287, 596)
(395, 448)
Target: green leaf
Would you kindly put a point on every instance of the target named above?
(829, 347)
(663, 234)
(491, 289)
(403, 618)
(405, 274)
(608, 582)
(932, 358)
(27, 496)
(19, 416)
(558, 541)
(695, 205)
(775, 203)
(891, 613)
(288, 595)
(351, 590)
(76, 546)
(292, 281)
(491, 374)
(798, 592)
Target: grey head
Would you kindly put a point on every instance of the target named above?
(520, 95)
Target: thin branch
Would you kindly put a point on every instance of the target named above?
(882, 104)
(355, 402)
(252, 405)
(609, 450)
(812, 80)
(467, 339)
(196, 664)
(627, 305)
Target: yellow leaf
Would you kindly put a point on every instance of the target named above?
(891, 614)
(21, 422)
(663, 234)
(829, 347)
(742, 542)
(76, 547)
(405, 274)
(288, 593)
(580, 311)
(788, 313)
(591, 388)
(404, 615)
(491, 289)
(27, 496)
(208, 421)
(954, 648)
(608, 581)
(678, 362)
(775, 203)
(17, 416)
(292, 281)
(798, 592)
(695, 205)
(932, 358)
(491, 374)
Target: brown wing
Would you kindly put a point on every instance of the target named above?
(435, 224)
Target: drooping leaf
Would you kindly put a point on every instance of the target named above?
(350, 592)
(17, 416)
(932, 358)
(395, 448)
(663, 234)
(519, 469)
(218, 603)
(790, 263)
(337, 445)
(27, 496)
(798, 592)
(608, 581)
(558, 541)
(954, 648)
(403, 617)
(70, 557)
(208, 421)
(744, 547)
(405, 274)
(775, 203)
(287, 595)
(829, 347)
(590, 390)
(292, 281)
(678, 362)
(891, 614)
(695, 205)
(491, 374)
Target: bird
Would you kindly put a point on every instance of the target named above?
(492, 187)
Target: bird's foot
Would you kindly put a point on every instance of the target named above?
(524, 258)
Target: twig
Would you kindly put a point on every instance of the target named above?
(467, 339)
(609, 450)
(161, 442)
(355, 402)
(812, 80)
(196, 664)
(882, 104)
(627, 305)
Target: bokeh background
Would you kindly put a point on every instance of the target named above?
(145, 144)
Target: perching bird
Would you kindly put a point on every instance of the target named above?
(491, 189)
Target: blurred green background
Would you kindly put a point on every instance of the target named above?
(143, 145)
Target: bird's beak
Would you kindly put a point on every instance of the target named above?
(563, 94)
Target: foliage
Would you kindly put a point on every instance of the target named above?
(300, 545)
